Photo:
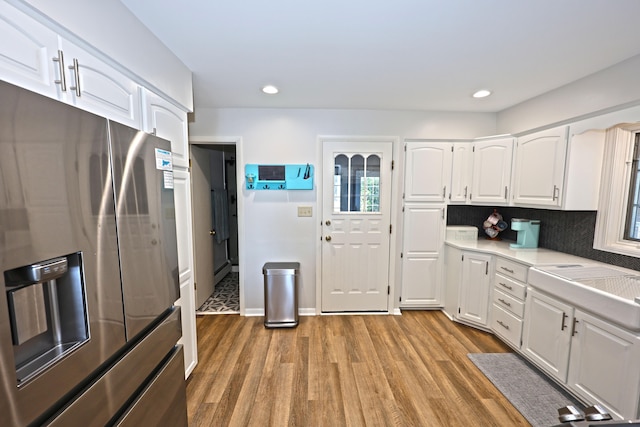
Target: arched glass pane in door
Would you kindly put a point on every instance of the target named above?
(356, 183)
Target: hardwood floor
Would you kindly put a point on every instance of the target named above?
(409, 370)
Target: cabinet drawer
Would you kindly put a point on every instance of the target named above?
(510, 286)
(512, 269)
(509, 303)
(507, 326)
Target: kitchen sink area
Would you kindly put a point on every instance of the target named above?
(612, 293)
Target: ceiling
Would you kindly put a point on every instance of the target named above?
(389, 54)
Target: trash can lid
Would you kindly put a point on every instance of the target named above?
(280, 268)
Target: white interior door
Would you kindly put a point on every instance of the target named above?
(202, 237)
(356, 223)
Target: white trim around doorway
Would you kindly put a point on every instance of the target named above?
(237, 141)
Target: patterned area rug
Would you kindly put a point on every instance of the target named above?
(225, 298)
(536, 397)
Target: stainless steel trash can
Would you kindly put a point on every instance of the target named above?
(281, 294)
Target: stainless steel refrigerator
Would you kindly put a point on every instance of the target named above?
(89, 271)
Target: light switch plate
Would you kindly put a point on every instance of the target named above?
(305, 211)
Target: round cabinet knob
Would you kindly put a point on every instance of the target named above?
(327, 222)
(212, 232)
(328, 238)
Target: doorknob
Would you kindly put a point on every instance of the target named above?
(212, 232)
(328, 238)
(327, 222)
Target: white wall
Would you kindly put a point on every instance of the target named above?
(272, 230)
(110, 27)
(614, 88)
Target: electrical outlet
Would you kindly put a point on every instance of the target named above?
(304, 211)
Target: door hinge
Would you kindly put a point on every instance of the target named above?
(402, 196)
(400, 298)
(401, 255)
(189, 162)
(458, 310)
(452, 148)
(195, 285)
(388, 290)
(463, 257)
(390, 227)
(393, 163)
(405, 147)
(403, 209)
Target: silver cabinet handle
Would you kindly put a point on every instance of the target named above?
(505, 192)
(505, 286)
(508, 304)
(63, 78)
(574, 330)
(564, 325)
(465, 192)
(444, 191)
(555, 193)
(328, 238)
(503, 325)
(76, 68)
(508, 270)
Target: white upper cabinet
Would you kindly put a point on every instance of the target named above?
(39, 59)
(491, 170)
(94, 86)
(558, 169)
(167, 121)
(427, 171)
(461, 172)
(539, 168)
(27, 53)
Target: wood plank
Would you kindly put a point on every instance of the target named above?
(344, 371)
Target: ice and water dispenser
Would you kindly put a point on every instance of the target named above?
(47, 312)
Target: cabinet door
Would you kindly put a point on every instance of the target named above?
(604, 365)
(26, 55)
(453, 272)
(547, 333)
(184, 233)
(491, 170)
(169, 122)
(427, 171)
(97, 87)
(461, 172)
(539, 168)
(423, 240)
(475, 287)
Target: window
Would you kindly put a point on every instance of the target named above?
(618, 220)
(632, 225)
(356, 183)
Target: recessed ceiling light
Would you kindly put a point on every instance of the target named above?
(270, 90)
(482, 93)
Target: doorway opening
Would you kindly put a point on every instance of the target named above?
(215, 228)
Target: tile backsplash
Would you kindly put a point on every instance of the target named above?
(563, 231)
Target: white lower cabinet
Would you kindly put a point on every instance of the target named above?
(475, 288)
(547, 333)
(596, 360)
(422, 249)
(467, 290)
(507, 310)
(604, 367)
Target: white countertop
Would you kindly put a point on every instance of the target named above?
(530, 257)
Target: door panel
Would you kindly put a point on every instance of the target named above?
(203, 240)
(356, 221)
